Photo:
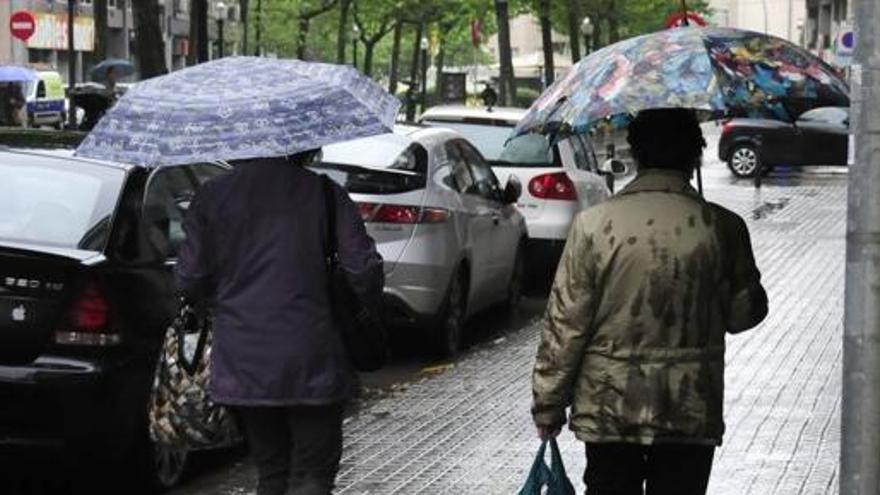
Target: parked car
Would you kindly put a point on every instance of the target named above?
(561, 180)
(45, 100)
(819, 137)
(451, 237)
(87, 250)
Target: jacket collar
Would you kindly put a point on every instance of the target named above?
(659, 180)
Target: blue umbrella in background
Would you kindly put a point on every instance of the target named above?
(121, 68)
(237, 108)
(14, 73)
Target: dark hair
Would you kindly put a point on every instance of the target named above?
(668, 138)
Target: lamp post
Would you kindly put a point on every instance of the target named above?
(355, 34)
(587, 29)
(221, 17)
(71, 63)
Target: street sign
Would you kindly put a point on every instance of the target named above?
(678, 20)
(22, 25)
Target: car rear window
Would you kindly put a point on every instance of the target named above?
(362, 180)
(490, 139)
(56, 202)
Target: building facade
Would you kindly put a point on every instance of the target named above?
(782, 18)
(828, 21)
(527, 49)
(48, 47)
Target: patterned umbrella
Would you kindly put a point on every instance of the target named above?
(722, 72)
(238, 108)
(14, 73)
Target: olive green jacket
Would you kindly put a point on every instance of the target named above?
(633, 338)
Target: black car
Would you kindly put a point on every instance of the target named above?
(86, 292)
(819, 137)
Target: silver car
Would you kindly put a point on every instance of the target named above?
(451, 237)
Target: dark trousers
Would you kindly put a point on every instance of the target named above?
(630, 469)
(294, 448)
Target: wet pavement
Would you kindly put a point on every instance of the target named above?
(463, 427)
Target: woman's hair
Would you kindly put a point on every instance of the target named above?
(668, 138)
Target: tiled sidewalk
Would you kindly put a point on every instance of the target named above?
(468, 431)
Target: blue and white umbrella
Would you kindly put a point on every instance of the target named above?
(14, 73)
(238, 108)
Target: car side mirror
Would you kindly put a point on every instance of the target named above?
(513, 190)
(614, 166)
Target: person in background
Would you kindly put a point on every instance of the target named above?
(256, 248)
(633, 339)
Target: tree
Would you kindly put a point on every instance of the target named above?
(573, 16)
(100, 13)
(307, 12)
(373, 25)
(508, 84)
(244, 6)
(149, 44)
(547, 41)
(342, 33)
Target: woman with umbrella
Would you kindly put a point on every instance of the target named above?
(258, 240)
(653, 279)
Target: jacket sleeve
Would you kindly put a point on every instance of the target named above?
(748, 305)
(567, 327)
(358, 256)
(194, 272)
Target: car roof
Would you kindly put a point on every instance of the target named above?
(456, 112)
(61, 155)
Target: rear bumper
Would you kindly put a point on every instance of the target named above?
(52, 402)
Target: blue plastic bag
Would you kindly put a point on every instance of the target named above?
(552, 477)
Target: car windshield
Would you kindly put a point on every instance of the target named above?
(55, 202)
(530, 150)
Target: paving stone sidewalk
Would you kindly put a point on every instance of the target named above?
(468, 430)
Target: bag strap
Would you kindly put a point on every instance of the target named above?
(186, 315)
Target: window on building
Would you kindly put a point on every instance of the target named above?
(840, 10)
(812, 34)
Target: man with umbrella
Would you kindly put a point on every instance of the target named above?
(652, 280)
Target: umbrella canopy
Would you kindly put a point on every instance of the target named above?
(721, 71)
(14, 73)
(237, 108)
(121, 68)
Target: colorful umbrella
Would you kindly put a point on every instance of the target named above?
(238, 108)
(722, 72)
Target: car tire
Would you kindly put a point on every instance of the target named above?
(744, 161)
(168, 465)
(516, 284)
(451, 320)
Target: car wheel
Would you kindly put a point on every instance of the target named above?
(515, 286)
(169, 464)
(744, 161)
(450, 325)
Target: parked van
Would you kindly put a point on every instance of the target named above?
(46, 100)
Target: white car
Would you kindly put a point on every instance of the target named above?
(558, 181)
(450, 236)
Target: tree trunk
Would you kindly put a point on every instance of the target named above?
(201, 13)
(596, 39)
(508, 84)
(369, 47)
(245, 6)
(439, 64)
(613, 24)
(547, 43)
(414, 75)
(343, 30)
(574, 30)
(395, 58)
(302, 38)
(149, 43)
(258, 34)
(101, 30)
(192, 55)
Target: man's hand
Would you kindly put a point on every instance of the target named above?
(548, 432)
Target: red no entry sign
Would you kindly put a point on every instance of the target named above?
(22, 24)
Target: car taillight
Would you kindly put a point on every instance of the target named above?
(726, 126)
(88, 322)
(401, 214)
(553, 186)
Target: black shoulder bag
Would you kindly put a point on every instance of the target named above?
(363, 333)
